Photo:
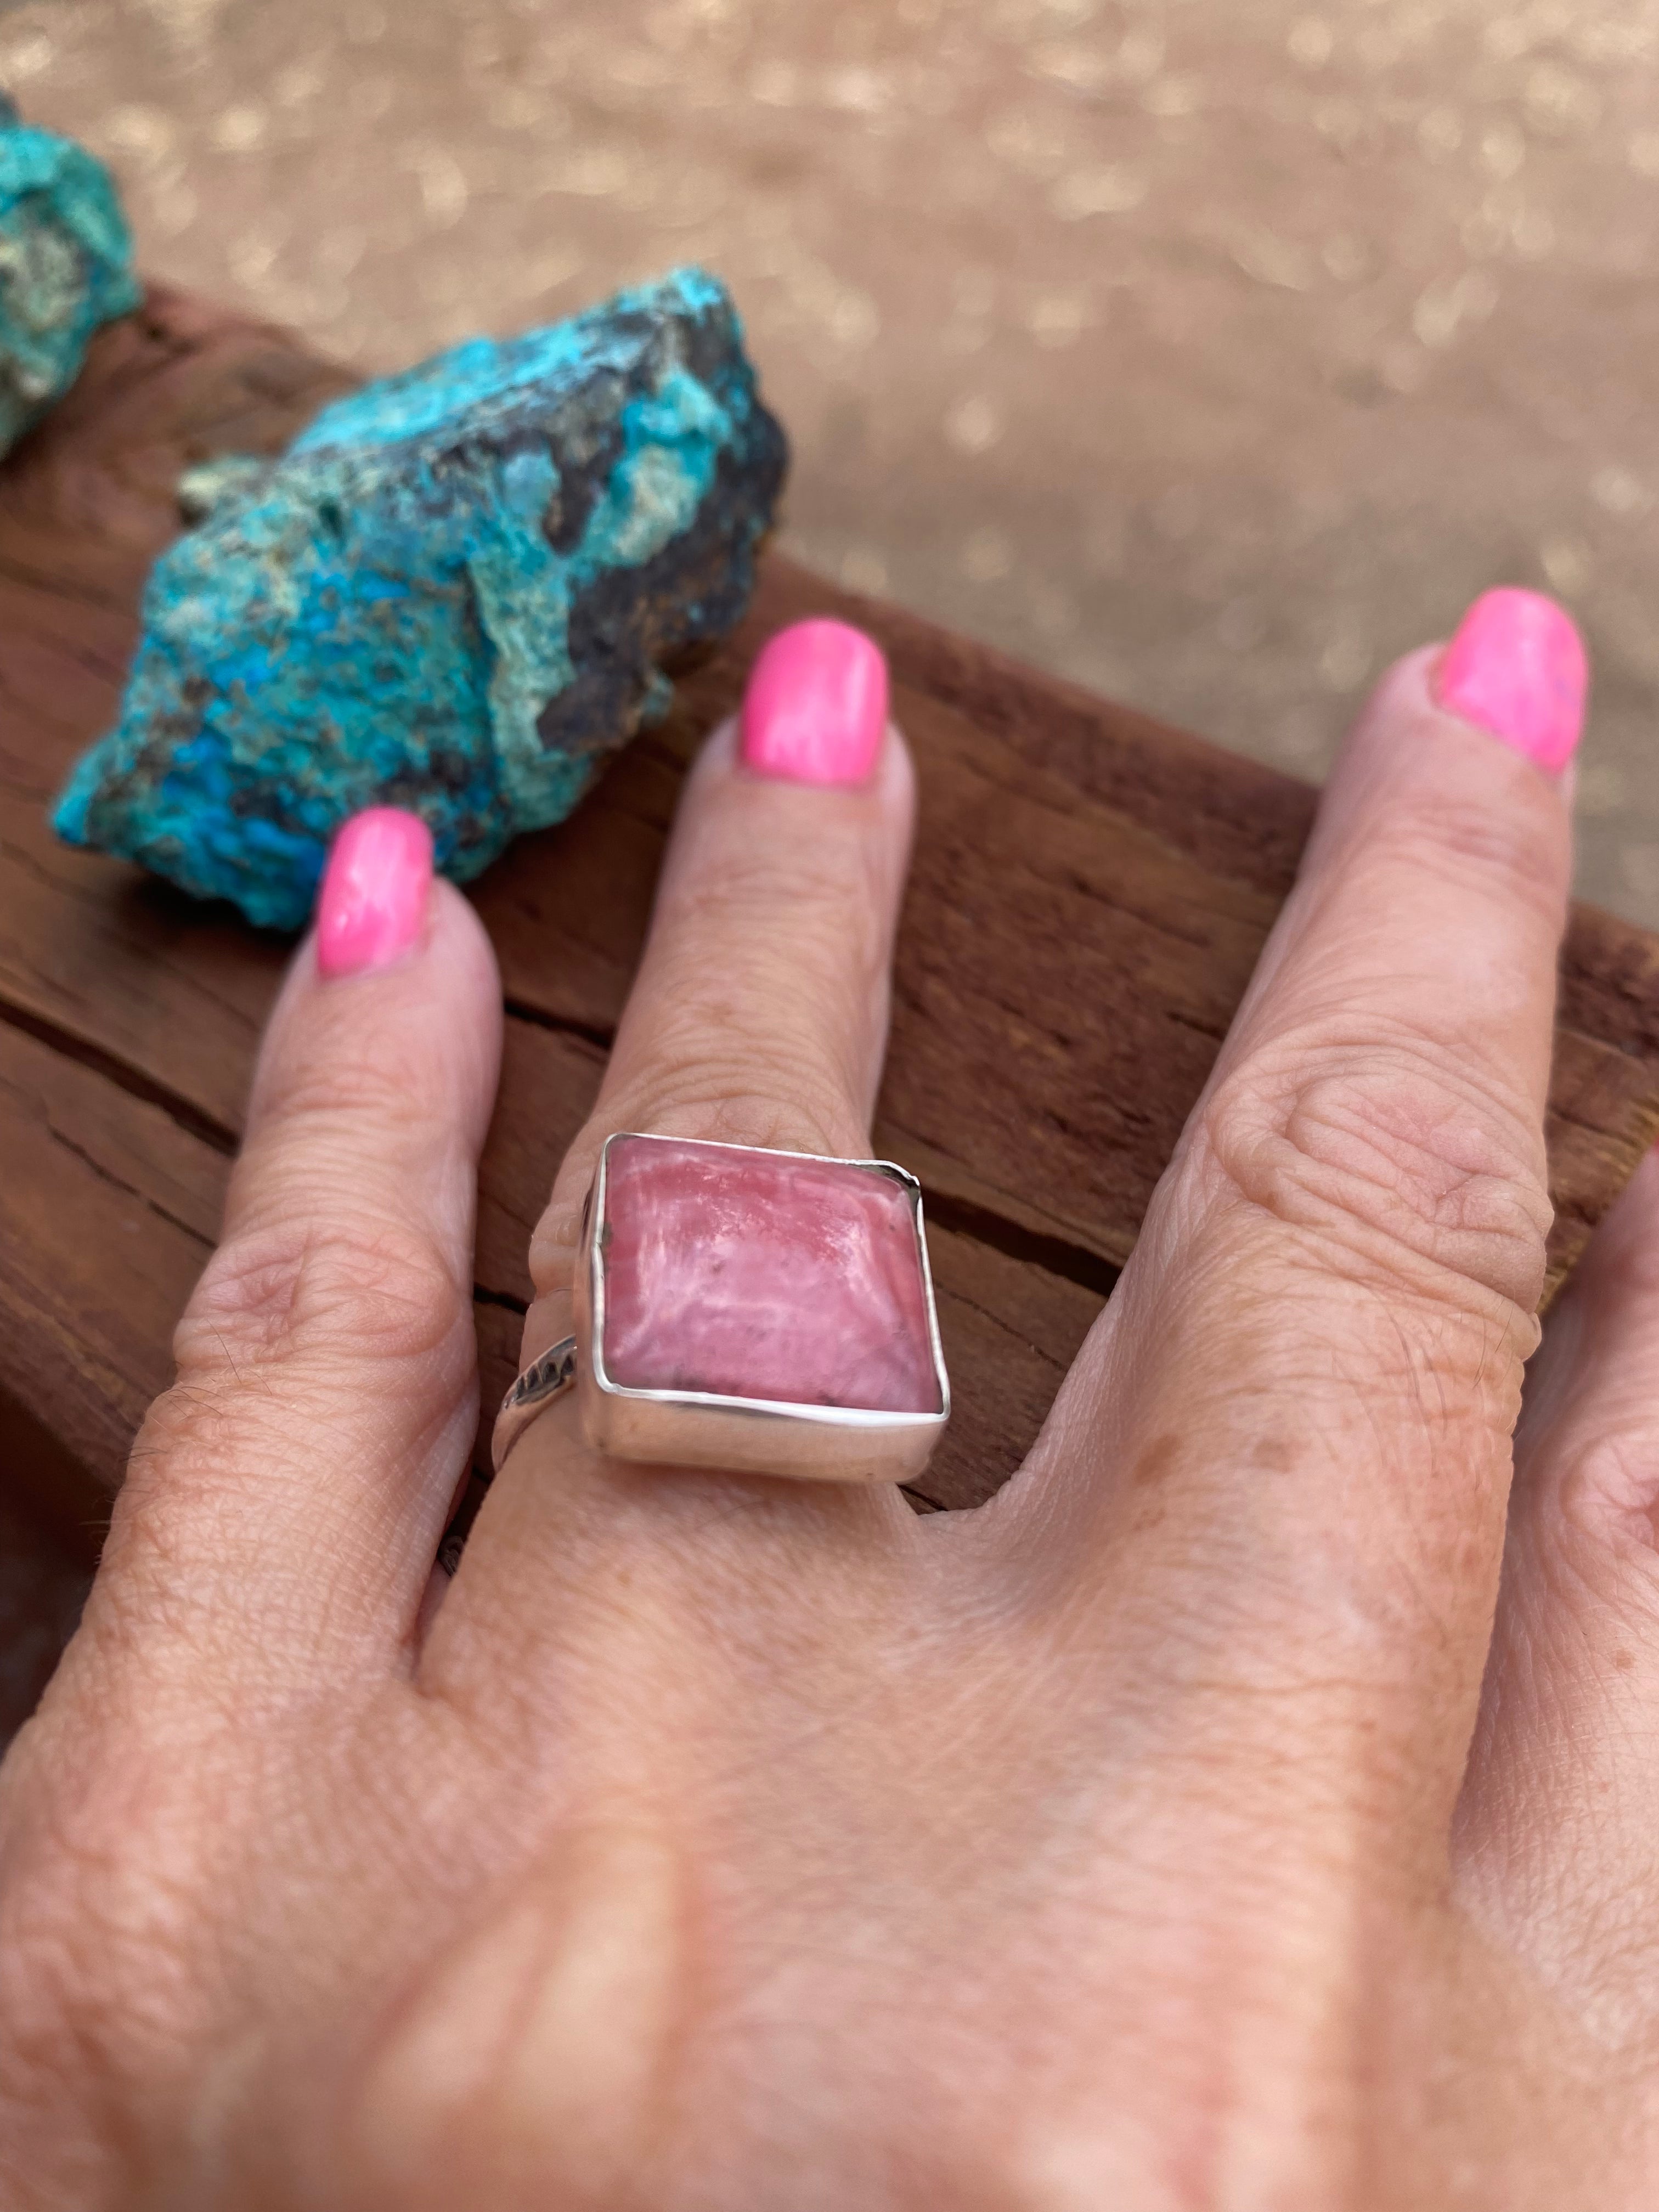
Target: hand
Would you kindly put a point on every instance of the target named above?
(1203, 1823)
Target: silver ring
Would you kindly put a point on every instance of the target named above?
(758, 1311)
(541, 1381)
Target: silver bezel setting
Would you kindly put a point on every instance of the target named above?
(758, 1435)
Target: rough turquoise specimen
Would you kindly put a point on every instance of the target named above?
(455, 592)
(65, 266)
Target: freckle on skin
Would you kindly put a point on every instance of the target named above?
(1157, 1461)
(1624, 1660)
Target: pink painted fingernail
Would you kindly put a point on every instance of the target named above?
(372, 906)
(816, 709)
(1517, 667)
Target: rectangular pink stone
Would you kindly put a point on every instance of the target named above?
(753, 1275)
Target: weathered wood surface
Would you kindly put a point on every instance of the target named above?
(1090, 894)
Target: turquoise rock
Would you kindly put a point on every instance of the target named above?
(456, 593)
(65, 266)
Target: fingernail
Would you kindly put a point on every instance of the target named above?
(816, 708)
(372, 906)
(1517, 667)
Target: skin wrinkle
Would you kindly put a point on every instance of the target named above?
(298, 1305)
(1418, 1169)
(1614, 1480)
(217, 1421)
(1262, 1155)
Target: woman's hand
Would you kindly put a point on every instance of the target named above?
(1203, 1823)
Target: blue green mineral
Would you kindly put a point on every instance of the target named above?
(456, 593)
(65, 266)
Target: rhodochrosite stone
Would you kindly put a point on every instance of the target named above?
(761, 1275)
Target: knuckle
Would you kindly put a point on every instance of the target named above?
(329, 1289)
(719, 1101)
(1610, 1488)
(1452, 831)
(783, 947)
(1395, 1161)
(294, 1329)
(333, 1097)
(829, 891)
(735, 1093)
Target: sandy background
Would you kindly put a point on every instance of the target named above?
(1211, 353)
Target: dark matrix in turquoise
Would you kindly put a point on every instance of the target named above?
(455, 592)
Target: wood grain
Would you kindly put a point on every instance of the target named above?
(1090, 894)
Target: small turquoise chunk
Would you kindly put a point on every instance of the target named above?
(456, 593)
(65, 266)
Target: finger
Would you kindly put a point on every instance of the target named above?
(1298, 1414)
(289, 1490)
(1558, 1825)
(758, 1016)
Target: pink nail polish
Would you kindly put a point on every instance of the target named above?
(816, 709)
(372, 906)
(1517, 667)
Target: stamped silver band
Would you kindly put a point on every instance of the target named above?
(541, 1381)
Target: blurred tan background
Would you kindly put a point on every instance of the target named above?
(1211, 353)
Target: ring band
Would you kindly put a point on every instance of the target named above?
(541, 1381)
(753, 1311)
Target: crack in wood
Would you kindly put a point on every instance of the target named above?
(27, 794)
(1000, 1322)
(1568, 1119)
(1213, 1033)
(124, 1077)
(1055, 1255)
(14, 855)
(63, 584)
(118, 1182)
(594, 1033)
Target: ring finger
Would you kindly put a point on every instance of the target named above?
(759, 1013)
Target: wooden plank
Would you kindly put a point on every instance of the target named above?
(108, 1212)
(1090, 894)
